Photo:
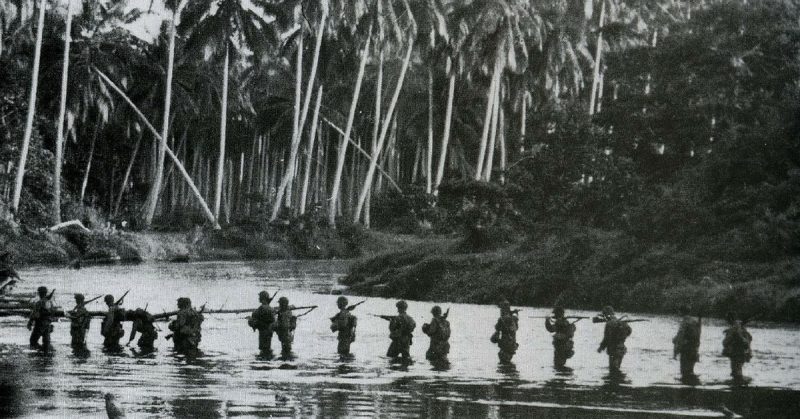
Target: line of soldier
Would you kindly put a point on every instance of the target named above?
(282, 322)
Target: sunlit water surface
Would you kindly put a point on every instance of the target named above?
(230, 378)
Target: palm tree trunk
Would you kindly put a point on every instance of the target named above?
(89, 162)
(128, 171)
(62, 111)
(429, 159)
(522, 123)
(493, 86)
(365, 189)
(26, 139)
(158, 137)
(222, 133)
(448, 119)
(309, 160)
(155, 190)
(502, 138)
(487, 167)
(337, 176)
(597, 57)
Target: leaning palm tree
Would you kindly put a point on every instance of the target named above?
(220, 29)
(62, 111)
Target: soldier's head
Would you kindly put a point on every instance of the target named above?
(558, 311)
(505, 306)
(436, 311)
(141, 314)
(283, 302)
(263, 297)
(402, 306)
(109, 299)
(184, 302)
(608, 311)
(341, 302)
(79, 298)
(42, 291)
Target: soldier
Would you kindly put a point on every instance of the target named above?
(439, 331)
(40, 320)
(345, 323)
(401, 328)
(263, 320)
(143, 324)
(505, 332)
(563, 331)
(79, 322)
(687, 343)
(736, 345)
(187, 326)
(285, 324)
(614, 335)
(111, 329)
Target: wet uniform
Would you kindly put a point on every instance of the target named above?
(614, 335)
(686, 344)
(143, 324)
(79, 325)
(505, 335)
(345, 323)
(186, 329)
(439, 331)
(562, 331)
(285, 323)
(263, 320)
(112, 330)
(42, 323)
(401, 328)
(736, 346)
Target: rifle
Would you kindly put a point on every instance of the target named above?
(50, 297)
(384, 316)
(353, 306)
(93, 299)
(121, 298)
(273, 296)
(446, 313)
(302, 308)
(566, 317)
(598, 319)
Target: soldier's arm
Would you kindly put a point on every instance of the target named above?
(548, 325)
(604, 342)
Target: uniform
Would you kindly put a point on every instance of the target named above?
(263, 320)
(400, 332)
(344, 322)
(186, 327)
(686, 344)
(736, 346)
(439, 331)
(111, 329)
(614, 335)
(285, 323)
(562, 331)
(40, 322)
(79, 325)
(505, 335)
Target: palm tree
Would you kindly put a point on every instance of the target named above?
(26, 139)
(223, 27)
(62, 110)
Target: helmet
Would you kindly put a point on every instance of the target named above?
(436, 311)
(504, 304)
(109, 299)
(263, 296)
(184, 302)
(558, 311)
(402, 305)
(42, 291)
(79, 298)
(608, 311)
(341, 302)
(283, 301)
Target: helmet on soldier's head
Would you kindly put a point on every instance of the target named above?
(79, 298)
(42, 291)
(283, 301)
(504, 304)
(341, 302)
(558, 311)
(608, 311)
(436, 311)
(263, 296)
(109, 299)
(184, 302)
(402, 305)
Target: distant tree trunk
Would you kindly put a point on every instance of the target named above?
(429, 156)
(89, 162)
(309, 160)
(62, 111)
(448, 118)
(337, 176)
(502, 139)
(155, 189)
(128, 171)
(26, 138)
(365, 189)
(222, 132)
(491, 96)
(597, 57)
(487, 167)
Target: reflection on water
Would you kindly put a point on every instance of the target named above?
(231, 378)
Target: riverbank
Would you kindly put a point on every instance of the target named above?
(42, 247)
(587, 269)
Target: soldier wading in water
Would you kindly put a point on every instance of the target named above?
(143, 324)
(111, 329)
(187, 327)
(40, 321)
(563, 331)
(505, 332)
(614, 335)
(263, 320)
(736, 345)
(344, 322)
(439, 331)
(401, 328)
(686, 343)
(79, 322)
(285, 323)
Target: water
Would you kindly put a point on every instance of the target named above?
(231, 379)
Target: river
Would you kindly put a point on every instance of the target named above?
(230, 378)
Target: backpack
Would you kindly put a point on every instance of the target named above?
(444, 329)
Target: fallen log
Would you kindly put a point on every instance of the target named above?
(169, 314)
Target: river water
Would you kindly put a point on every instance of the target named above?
(230, 378)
